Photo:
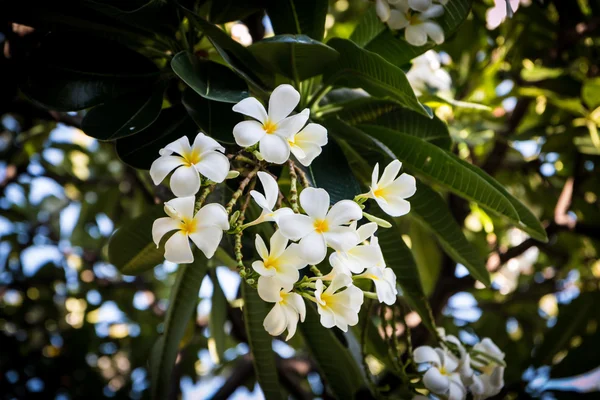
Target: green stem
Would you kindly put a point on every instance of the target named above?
(293, 187)
(316, 98)
(203, 196)
(303, 177)
(236, 195)
(308, 296)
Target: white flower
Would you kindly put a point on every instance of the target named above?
(487, 385)
(289, 307)
(374, 242)
(418, 25)
(389, 192)
(338, 308)
(426, 73)
(487, 346)
(306, 144)
(385, 283)
(268, 200)
(442, 377)
(204, 156)
(491, 380)
(382, 8)
(321, 227)
(205, 229)
(272, 130)
(280, 262)
(358, 257)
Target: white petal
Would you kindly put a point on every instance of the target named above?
(214, 166)
(404, 187)
(457, 390)
(432, 12)
(426, 354)
(292, 257)
(375, 175)
(390, 173)
(313, 248)
(274, 217)
(184, 206)
(270, 188)
(162, 166)
(366, 231)
(343, 212)
(181, 146)
(385, 292)
(289, 126)
(274, 149)
(282, 102)
(312, 133)
(338, 282)
(395, 207)
(435, 381)
(416, 35)
(213, 214)
(327, 317)
(306, 154)
(260, 199)
(434, 31)
(275, 321)
(252, 108)
(296, 301)
(248, 133)
(261, 247)
(419, 5)
(341, 238)
(382, 8)
(207, 239)
(278, 243)
(295, 226)
(185, 181)
(161, 226)
(178, 250)
(203, 143)
(268, 289)
(260, 269)
(397, 20)
(292, 321)
(363, 257)
(315, 202)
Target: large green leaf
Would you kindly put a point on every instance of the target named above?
(298, 17)
(590, 93)
(214, 118)
(428, 207)
(124, 116)
(296, 57)
(209, 79)
(359, 68)
(333, 358)
(263, 357)
(131, 248)
(368, 110)
(100, 70)
(369, 27)
(182, 303)
(232, 10)
(141, 149)
(443, 168)
(217, 318)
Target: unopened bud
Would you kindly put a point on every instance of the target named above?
(171, 212)
(234, 218)
(380, 222)
(232, 174)
(250, 281)
(258, 156)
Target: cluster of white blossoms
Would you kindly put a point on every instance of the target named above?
(415, 17)
(452, 370)
(306, 232)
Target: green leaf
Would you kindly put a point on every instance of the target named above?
(296, 57)
(217, 319)
(427, 254)
(298, 17)
(124, 116)
(358, 68)
(395, 49)
(369, 26)
(131, 248)
(141, 149)
(101, 70)
(330, 172)
(232, 10)
(430, 209)
(333, 358)
(590, 93)
(209, 79)
(368, 110)
(443, 168)
(214, 118)
(182, 303)
(263, 357)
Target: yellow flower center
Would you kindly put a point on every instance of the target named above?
(379, 192)
(413, 19)
(443, 371)
(270, 127)
(371, 276)
(321, 226)
(191, 158)
(270, 263)
(284, 297)
(187, 226)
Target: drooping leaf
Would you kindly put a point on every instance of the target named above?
(209, 79)
(125, 115)
(359, 68)
(590, 93)
(369, 27)
(131, 248)
(214, 118)
(333, 358)
(263, 357)
(141, 149)
(233, 10)
(217, 319)
(427, 254)
(101, 70)
(296, 57)
(298, 17)
(182, 303)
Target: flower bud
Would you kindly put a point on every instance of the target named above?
(232, 174)
(380, 222)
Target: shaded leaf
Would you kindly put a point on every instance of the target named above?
(298, 17)
(590, 92)
(214, 118)
(232, 10)
(217, 319)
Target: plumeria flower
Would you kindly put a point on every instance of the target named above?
(307, 144)
(205, 156)
(358, 257)
(280, 263)
(487, 385)
(271, 130)
(338, 308)
(321, 227)
(426, 73)
(416, 22)
(267, 201)
(390, 192)
(491, 380)
(385, 283)
(442, 377)
(288, 309)
(205, 229)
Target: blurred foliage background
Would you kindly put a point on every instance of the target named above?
(523, 104)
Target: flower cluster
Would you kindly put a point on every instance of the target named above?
(451, 370)
(415, 17)
(309, 231)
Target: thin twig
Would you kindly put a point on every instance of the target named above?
(293, 187)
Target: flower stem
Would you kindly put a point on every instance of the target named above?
(293, 187)
(239, 257)
(314, 101)
(203, 196)
(308, 296)
(303, 177)
(236, 195)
